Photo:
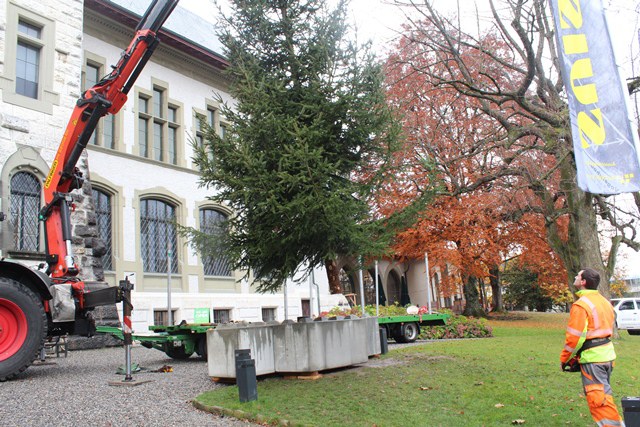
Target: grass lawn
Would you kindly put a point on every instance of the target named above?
(474, 382)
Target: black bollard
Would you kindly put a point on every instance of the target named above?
(246, 376)
(631, 411)
(384, 346)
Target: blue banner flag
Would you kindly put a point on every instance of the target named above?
(604, 140)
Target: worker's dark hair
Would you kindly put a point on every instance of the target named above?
(591, 277)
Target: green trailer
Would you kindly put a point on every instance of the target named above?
(181, 341)
(178, 341)
(406, 328)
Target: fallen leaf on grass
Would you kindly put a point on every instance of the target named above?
(426, 388)
(518, 422)
(499, 405)
(479, 383)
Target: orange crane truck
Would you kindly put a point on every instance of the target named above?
(36, 303)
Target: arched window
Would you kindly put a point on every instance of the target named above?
(158, 235)
(104, 222)
(25, 206)
(211, 221)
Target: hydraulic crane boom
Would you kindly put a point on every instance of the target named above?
(106, 97)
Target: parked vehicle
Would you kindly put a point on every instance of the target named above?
(627, 314)
(53, 299)
(406, 329)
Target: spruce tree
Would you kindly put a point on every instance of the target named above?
(305, 141)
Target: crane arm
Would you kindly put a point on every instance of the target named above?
(107, 96)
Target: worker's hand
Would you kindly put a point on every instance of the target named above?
(571, 365)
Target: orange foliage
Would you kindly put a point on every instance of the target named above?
(485, 211)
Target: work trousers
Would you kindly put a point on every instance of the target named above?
(595, 380)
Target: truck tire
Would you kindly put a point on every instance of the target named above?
(633, 331)
(409, 332)
(23, 327)
(177, 352)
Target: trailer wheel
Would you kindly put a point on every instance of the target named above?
(22, 327)
(201, 346)
(409, 332)
(177, 352)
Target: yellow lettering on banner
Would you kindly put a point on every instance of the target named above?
(570, 9)
(590, 131)
(586, 94)
(575, 43)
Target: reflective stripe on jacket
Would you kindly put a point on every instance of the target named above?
(592, 316)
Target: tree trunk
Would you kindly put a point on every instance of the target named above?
(583, 247)
(472, 302)
(496, 288)
(483, 294)
(333, 275)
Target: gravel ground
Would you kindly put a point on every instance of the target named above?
(75, 391)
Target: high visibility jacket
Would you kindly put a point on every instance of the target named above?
(592, 316)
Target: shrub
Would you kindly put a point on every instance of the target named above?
(370, 310)
(458, 327)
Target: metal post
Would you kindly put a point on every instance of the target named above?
(313, 280)
(169, 311)
(286, 303)
(361, 287)
(377, 293)
(426, 264)
(127, 329)
(311, 297)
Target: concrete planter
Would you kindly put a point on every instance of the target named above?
(225, 339)
(293, 347)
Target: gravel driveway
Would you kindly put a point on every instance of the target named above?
(75, 391)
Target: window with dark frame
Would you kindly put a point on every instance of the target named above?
(104, 223)
(211, 221)
(104, 134)
(221, 316)
(268, 314)
(158, 127)
(28, 59)
(158, 235)
(25, 206)
(161, 317)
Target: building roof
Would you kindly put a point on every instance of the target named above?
(184, 30)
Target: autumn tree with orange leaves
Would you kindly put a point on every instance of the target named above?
(473, 225)
(516, 137)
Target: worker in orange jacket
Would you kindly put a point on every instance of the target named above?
(588, 347)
